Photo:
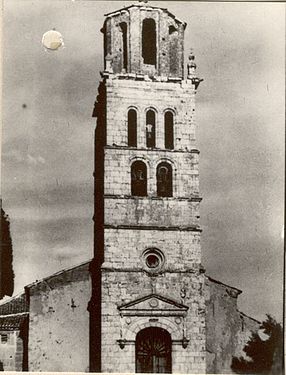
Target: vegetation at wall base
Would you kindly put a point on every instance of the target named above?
(265, 355)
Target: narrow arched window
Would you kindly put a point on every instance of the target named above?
(132, 128)
(169, 130)
(164, 180)
(150, 128)
(123, 27)
(174, 51)
(149, 41)
(139, 179)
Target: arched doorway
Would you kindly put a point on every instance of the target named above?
(153, 351)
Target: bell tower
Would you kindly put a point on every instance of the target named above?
(147, 312)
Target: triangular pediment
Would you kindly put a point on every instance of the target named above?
(153, 305)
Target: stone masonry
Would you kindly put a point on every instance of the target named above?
(131, 226)
(59, 321)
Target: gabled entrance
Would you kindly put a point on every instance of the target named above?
(153, 351)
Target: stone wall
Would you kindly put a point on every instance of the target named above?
(59, 321)
(119, 287)
(227, 329)
(124, 248)
(11, 351)
(166, 212)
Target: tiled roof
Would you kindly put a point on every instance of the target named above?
(12, 322)
(14, 305)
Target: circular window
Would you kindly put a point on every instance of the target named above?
(153, 259)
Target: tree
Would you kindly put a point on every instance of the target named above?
(6, 257)
(266, 355)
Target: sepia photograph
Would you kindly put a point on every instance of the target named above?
(142, 187)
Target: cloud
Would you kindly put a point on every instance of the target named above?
(35, 160)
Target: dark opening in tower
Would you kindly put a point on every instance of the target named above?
(123, 27)
(169, 130)
(149, 41)
(150, 128)
(139, 179)
(164, 180)
(174, 51)
(132, 128)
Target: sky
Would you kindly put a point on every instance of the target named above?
(48, 130)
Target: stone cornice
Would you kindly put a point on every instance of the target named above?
(155, 227)
(194, 198)
(115, 147)
(140, 270)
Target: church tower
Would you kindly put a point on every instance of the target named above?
(147, 312)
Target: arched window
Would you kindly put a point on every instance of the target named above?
(123, 27)
(139, 179)
(132, 128)
(169, 130)
(150, 128)
(149, 41)
(164, 180)
(153, 351)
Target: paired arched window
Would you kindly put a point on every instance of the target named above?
(149, 41)
(139, 179)
(132, 128)
(169, 130)
(164, 177)
(150, 128)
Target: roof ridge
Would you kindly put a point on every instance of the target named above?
(249, 317)
(12, 298)
(145, 5)
(220, 282)
(56, 274)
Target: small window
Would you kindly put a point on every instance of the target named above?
(150, 128)
(169, 130)
(149, 41)
(139, 179)
(4, 338)
(164, 180)
(132, 128)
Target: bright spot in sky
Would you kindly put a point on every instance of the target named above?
(52, 40)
